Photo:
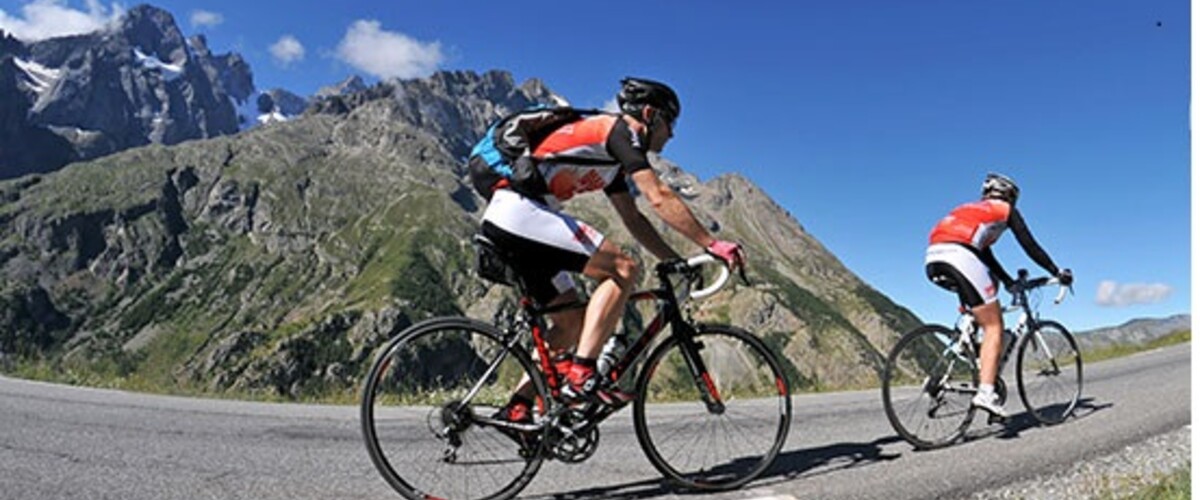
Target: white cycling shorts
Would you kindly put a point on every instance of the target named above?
(544, 240)
(535, 221)
(968, 266)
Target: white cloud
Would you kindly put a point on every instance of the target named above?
(611, 106)
(1112, 294)
(42, 19)
(204, 18)
(386, 54)
(287, 50)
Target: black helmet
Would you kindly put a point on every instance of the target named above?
(637, 93)
(1000, 187)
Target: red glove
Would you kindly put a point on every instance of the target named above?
(728, 251)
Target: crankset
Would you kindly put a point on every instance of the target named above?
(573, 438)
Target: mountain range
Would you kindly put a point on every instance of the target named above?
(1133, 332)
(150, 234)
(135, 83)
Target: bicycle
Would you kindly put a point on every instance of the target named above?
(430, 401)
(932, 372)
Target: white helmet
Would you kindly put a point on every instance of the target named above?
(1000, 187)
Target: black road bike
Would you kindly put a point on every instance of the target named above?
(712, 411)
(933, 372)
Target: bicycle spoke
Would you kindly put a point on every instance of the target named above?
(1049, 375)
(936, 411)
(695, 446)
(439, 375)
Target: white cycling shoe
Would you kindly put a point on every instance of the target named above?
(989, 402)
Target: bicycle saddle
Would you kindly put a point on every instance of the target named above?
(492, 263)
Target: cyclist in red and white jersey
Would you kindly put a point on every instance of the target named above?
(960, 258)
(597, 152)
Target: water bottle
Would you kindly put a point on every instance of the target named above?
(611, 354)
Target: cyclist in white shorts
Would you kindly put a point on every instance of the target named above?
(960, 259)
(597, 152)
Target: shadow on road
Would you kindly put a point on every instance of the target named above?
(826, 459)
(813, 462)
(788, 466)
(1021, 422)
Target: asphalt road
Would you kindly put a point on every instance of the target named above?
(70, 442)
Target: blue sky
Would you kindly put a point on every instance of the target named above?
(867, 120)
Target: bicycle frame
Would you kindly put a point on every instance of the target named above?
(1026, 321)
(946, 363)
(567, 429)
(668, 314)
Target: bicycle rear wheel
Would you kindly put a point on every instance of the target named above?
(928, 384)
(1049, 372)
(427, 407)
(724, 442)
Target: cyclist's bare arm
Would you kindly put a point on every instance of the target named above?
(670, 207)
(641, 228)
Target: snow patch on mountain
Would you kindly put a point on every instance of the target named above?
(38, 77)
(169, 71)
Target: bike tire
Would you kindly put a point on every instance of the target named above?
(756, 407)
(937, 411)
(408, 415)
(1050, 385)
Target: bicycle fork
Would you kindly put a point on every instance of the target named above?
(704, 383)
(1040, 343)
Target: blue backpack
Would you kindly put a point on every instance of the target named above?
(503, 157)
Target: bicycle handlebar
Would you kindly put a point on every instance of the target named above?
(690, 268)
(1025, 284)
(700, 260)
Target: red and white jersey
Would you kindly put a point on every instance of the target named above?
(978, 224)
(588, 155)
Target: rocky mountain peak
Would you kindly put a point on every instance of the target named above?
(235, 76)
(199, 45)
(8, 43)
(154, 32)
(455, 106)
(136, 82)
(350, 85)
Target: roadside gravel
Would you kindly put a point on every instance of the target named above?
(1113, 475)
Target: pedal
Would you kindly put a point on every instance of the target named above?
(996, 419)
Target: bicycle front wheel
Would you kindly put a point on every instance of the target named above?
(427, 411)
(1049, 372)
(713, 410)
(928, 384)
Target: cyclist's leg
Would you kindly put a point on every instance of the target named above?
(545, 244)
(968, 275)
(617, 274)
(565, 325)
(958, 269)
(989, 318)
(561, 338)
(544, 238)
